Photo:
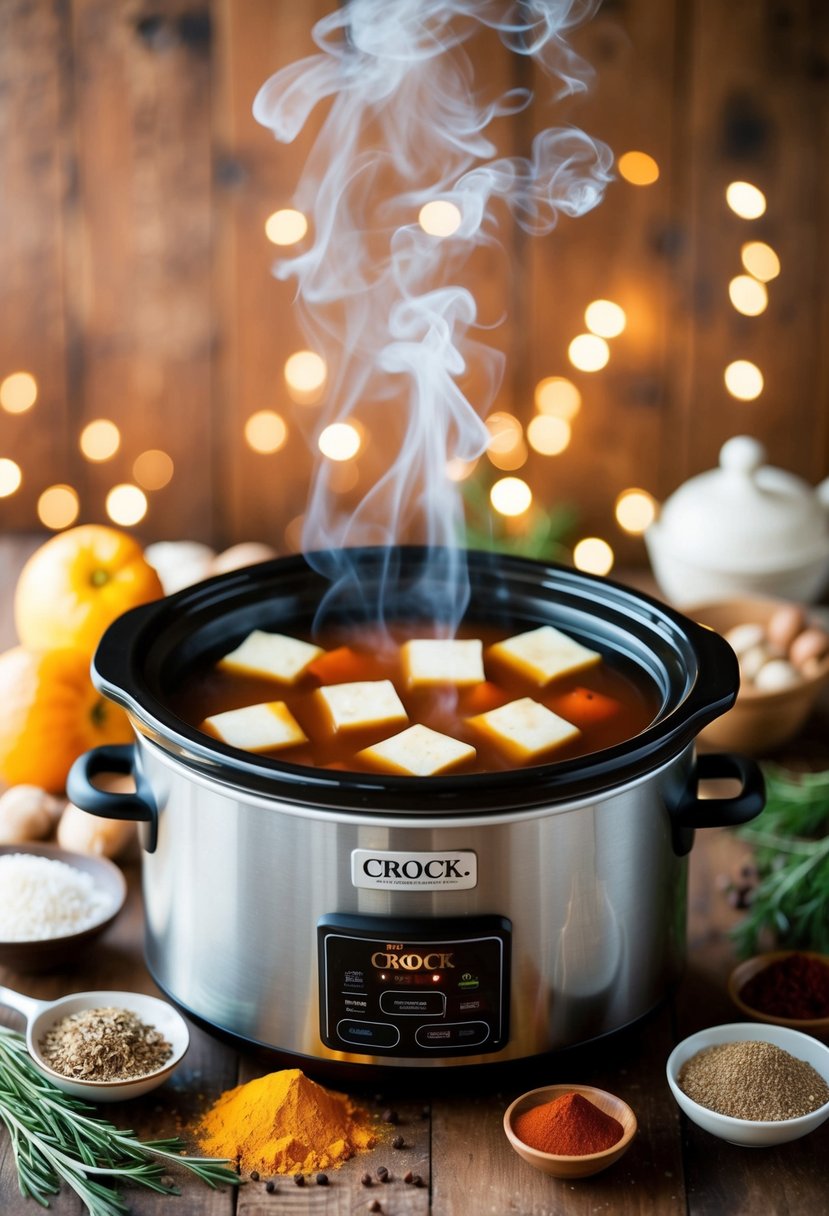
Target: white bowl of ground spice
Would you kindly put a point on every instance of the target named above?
(752, 1085)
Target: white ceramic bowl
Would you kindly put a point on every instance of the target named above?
(753, 1133)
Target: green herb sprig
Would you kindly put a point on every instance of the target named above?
(791, 849)
(55, 1139)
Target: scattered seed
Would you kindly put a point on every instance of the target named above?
(382, 1172)
(398, 1142)
(375, 1206)
(167, 1180)
(254, 1175)
(322, 1180)
(391, 1116)
(366, 1179)
(270, 1187)
(299, 1179)
(408, 1176)
(418, 1181)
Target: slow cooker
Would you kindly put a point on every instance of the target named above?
(351, 921)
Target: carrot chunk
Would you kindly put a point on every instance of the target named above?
(584, 707)
(483, 697)
(339, 666)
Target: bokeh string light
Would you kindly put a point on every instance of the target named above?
(558, 396)
(605, 319)
(593, 555)
(286, 226)
(744, 380)
(760, 260)
(549, 435)
(153, 469)
(126, 505)
(439, 218)
(11, 477)
(745, 200)
(339, 441)
(58, 507)
(635, 511)
(305, 374)
(266, 432)
(638, 168)
(748, 295)
(100, 440)
(18, 392)
(588, 353)
(511, 496)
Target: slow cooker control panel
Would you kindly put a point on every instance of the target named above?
(428, 988)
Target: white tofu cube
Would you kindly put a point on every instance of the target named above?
(272, 655)
(524, 730)
(362, 704)
(429, 661)
(417, 752)
(544, 654)
(257, 728)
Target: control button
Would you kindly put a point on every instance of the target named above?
(452, 1034)
(414, 1005)
(368, 1034)
(475, 1004)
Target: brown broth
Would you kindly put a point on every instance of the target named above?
(211, 690)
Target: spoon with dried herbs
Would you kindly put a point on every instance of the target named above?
(55, 1139)
(102, 1046)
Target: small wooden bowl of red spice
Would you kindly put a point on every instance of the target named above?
(569, 1131)
(784, 988)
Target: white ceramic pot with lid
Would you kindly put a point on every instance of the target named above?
(742, 528)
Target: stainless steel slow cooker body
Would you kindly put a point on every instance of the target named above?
(441, 922)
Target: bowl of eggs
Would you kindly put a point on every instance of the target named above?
(783, 652)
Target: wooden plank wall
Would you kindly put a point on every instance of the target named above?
(135, 278)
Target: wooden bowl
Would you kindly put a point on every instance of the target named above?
(571, 1167)
(760, 721)
(745, 971)
(49, 953)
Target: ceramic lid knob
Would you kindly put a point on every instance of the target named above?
(742, 454)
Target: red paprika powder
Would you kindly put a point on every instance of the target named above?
(793, 987)
(570, 1126)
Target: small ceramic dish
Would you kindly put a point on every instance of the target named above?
(50, 952)
(41, 1016)
(752, 1133)
(759, 721)
(571, 1167)
(753, 966)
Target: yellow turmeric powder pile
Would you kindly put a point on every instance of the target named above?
(283, 1124)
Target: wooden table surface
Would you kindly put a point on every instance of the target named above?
(455, 1141)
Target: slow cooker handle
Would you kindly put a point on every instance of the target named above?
(692, 812)
(138, 807)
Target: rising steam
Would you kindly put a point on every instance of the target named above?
(379, 296)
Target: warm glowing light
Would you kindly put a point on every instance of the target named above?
(440, 217)
(748, 295)
(744, 380)
(153, 469)
(100, 440)
(511, 496)
(505, 432)
(286, 227)
(745, 200)
(593, 555)
(18, 392)
(588, 353)
(58, 507)
(514, 458)
(459, 470)
(559, 396)
(760, 260)
(126, 505)
(605, 318)
(638, 168)
(10, 477)
(305, 373)
(549, 435)
(339, 441)
(635, 511)
(266, 432)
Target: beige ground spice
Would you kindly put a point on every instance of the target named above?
(105, 1044)
(753, 1080)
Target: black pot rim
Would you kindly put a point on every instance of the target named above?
(699, 674)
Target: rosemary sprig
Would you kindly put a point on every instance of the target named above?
(55, 1139)
(791, 848)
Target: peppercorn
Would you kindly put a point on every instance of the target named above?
(375, 1206)
(254, 1175)
(299, 1179)
(322, 1180)
(366, 1179)
(408, 1176)
(391, 1116)
(398, 1142)
(418, 1181)
(270, 1187)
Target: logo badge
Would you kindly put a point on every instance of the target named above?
(377, 870)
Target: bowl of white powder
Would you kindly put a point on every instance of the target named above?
(52, 903)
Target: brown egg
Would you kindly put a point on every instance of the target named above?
(812, 643)
(784, 626)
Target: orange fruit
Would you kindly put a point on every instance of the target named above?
(50, 713)
(76, 584)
